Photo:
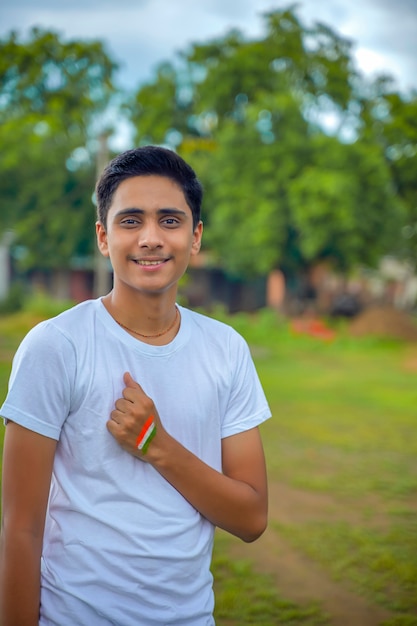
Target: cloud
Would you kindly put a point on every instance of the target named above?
(140, 34)
(383, 34)
(76, 5)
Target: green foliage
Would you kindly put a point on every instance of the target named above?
(14, 300)
(32, 310)
(341, 200)
(42, 306)
(281, 192)
(248, 218)
(397, 134)
(156, 111)
(54, 81)
(250, 114)
(51, 93)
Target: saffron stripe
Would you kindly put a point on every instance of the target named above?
(146, 436)
(144, 430)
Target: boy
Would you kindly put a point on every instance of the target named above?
(132, 429)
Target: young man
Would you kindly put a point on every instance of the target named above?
(132, 429)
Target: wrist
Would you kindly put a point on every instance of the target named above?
(160, 449)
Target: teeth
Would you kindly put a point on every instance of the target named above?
(149, 262)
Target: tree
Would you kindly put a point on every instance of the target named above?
(344, 207)
(389, 119)
(281, 190)
(51, 93)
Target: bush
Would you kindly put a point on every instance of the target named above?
(14, 300)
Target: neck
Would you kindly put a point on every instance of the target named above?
(153, 321)
(153, 335)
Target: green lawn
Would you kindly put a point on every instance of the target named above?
(345, 425)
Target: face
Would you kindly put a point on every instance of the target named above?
(149, 236)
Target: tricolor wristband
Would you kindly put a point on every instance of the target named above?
(146, 435)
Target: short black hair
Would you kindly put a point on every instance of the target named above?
(148, 161)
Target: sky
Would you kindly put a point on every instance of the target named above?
(139, 34)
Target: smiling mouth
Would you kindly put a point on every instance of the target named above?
(146, 263)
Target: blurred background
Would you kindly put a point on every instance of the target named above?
(299, 119)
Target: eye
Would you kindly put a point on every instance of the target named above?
(170, 221)
(129, 221)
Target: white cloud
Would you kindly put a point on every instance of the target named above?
(141, 33)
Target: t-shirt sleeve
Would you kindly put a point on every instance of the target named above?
(247, 405)
(39, 394)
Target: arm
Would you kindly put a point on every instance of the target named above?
(235, 500)
(27, 469)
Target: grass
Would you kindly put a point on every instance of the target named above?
(377, 563)
(344, 425)
(243, 597)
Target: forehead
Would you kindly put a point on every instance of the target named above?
(149, 192)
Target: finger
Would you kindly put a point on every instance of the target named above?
(142, 404)
(130, 381)
(113, 426)
(123, 405)
(115, 416)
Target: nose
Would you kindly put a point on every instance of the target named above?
(150, 235)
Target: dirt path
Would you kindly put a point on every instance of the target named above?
(298, 578)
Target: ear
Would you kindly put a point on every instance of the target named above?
(101, 235)
(197, 236)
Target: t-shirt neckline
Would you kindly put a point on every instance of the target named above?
(135, 343)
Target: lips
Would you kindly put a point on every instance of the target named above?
(149, 262)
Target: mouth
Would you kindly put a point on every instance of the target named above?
(149, 262)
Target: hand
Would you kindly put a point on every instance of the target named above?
(129, 416)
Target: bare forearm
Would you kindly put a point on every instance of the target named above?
(230, 504)
(19, 580)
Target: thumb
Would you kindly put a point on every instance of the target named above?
(129, 381)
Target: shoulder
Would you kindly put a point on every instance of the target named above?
(71, 318)
(211, 325)
(69, 321)
(59, 333)
(215, 334)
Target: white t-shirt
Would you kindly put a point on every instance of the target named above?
(121, 545)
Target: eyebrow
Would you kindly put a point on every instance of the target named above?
(137, 211)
